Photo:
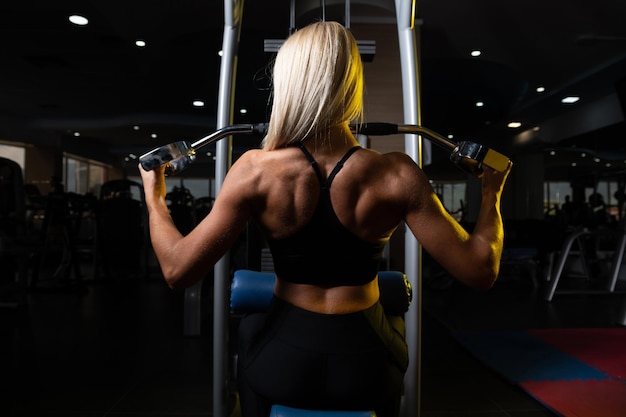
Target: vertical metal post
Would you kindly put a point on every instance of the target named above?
(405, 15)
(233, 13)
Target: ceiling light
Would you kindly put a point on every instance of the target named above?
(573, 164)
(76, 133)
(552, 153)
(220, 52)
(596, 159)
(450, 136)
(479, 104)
(135, 127)
(198, 103)
(475, 53)
(514, 125)
(140, 43)
(243, 111)
(540, 89)
(570, 99)
(78, 20)
(153, 136)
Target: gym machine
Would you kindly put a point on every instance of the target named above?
(472, 160)
(469, 156)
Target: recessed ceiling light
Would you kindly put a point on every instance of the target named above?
(140, 43)
(570, 99)
(540, 89)
(479, 104)
(243, 111)
(220, 52)
(475, 53)
(76, 133)
(153, 136)
(78, 20)
(198, 103)
(450, 136)
(135, 127)
(514, 125)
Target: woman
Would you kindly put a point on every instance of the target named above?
(327, 209)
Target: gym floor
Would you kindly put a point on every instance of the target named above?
(98, 347)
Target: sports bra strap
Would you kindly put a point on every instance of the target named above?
(313, 162)
(326, 183)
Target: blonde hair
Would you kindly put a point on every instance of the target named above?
(317, 84)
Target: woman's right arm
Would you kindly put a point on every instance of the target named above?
(185, 260)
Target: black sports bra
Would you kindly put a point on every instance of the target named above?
(324, 252)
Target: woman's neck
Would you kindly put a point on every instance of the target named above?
(336, 138)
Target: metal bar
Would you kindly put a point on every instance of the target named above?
(413, 253)
(434, 137)
(381, 128)
(233, 12)
(227, 131)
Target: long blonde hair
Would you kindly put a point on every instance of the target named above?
(317, 84)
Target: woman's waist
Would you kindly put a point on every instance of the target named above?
(326, 299)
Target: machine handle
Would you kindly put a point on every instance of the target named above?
(468, 156)
(259, 128)
(176, 156)
(381, 129)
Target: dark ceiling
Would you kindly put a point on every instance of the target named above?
(57, 78)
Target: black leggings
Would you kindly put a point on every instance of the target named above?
(309, 360)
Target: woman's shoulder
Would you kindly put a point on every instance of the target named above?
(258, 164)
(396, 170)
(264, 159)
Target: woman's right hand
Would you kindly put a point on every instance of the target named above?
(153, 183)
